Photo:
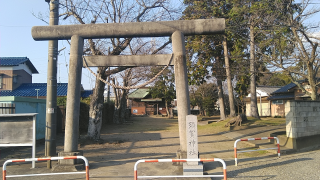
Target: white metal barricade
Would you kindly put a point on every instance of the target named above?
(252, 139)
(4, 175)
(180, 160)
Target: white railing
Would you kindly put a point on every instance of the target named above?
(253, 139)
(4, 171)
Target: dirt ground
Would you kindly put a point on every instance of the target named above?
(114, 156)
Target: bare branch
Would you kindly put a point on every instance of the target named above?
(40, 17)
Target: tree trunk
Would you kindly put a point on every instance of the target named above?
(243, 106)
(229, 80)
(312, 82)
(253, 98)
(116, 105)
(221, 100)
(116, 102)
(123, 107)
(314, 96)
(168, 114)
(96, 106)
(171, 113)
(116, 116)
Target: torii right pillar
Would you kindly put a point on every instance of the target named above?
(182, 89)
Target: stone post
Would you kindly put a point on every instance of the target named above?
(182, 89)
(73, 100)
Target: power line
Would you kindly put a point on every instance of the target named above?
(14, 26)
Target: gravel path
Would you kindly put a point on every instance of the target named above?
(292, 166)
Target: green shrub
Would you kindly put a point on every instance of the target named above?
(62, 101)
(86, 100)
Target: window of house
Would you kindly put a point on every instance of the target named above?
(15, 78)
(277, 102)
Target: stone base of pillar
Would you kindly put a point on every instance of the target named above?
(192, 169)
(180, 155)
(69, 164)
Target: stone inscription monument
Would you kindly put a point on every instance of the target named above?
(192, 168)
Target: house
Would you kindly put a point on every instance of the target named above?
(39, 91)
(19, 95)
(273, 99)
(14, 71)
(142, 103)
(16, 80)
(286, 93)
(264, 104)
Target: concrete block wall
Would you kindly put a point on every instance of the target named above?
(302, 118)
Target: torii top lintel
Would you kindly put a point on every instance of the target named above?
(133, 29)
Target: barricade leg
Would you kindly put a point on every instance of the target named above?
(235, 157)
(87, 172)
(235, 152)
(4, 172)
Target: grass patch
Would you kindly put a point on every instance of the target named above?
(203, 118)
(254, 153)
(157, 123)
(268, 121)
(214, 127)
(144, 124)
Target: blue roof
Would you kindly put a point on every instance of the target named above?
(86, 93)
(15, 61)
(29, 90)
(285, 89)
(281, 96)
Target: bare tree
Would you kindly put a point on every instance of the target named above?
(294, 48)
(112, 11)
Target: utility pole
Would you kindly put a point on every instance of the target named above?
(108, 95)
(51, 114)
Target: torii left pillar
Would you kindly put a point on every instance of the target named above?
(73, 101)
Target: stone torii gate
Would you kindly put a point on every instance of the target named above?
(77, 34)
